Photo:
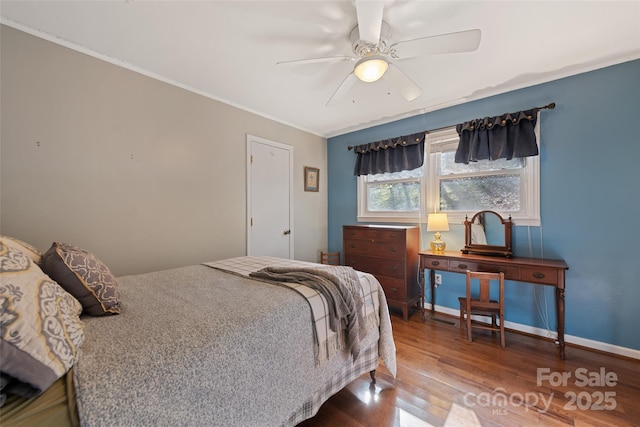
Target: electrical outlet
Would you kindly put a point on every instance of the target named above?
(438, 279)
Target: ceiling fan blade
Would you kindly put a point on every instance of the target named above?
(463, 41)
(400, 81)
(369, 19)
(342, 90)
(316, 60)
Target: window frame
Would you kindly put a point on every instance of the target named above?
(447, 139)
(398, 216)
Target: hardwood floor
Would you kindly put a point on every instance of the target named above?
(442, 375)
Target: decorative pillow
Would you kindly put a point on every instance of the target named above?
(30, 251)
(84, 276)
(40, 326)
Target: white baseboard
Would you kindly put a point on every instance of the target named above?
(596, 345)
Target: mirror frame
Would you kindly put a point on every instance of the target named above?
(491, 250)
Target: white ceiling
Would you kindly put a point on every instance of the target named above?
(227, 50)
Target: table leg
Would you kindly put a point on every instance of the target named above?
(432, 279)
(560, 319)
(421, 302)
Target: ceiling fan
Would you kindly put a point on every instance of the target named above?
(375, 56)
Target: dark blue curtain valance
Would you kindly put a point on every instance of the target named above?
(501, 137)
(390, 155)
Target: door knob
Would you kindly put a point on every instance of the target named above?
(287, 232)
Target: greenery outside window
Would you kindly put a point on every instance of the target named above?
(509, 187)
(391, 197)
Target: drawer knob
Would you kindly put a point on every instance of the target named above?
(435, 263)
(393, 250)
(394, 289)
(462, 266)
(538, 275)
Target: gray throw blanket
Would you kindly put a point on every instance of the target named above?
(340, 287)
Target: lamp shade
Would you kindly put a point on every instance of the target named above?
(437, 222)
(371, 68)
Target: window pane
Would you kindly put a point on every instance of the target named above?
(416, 173)
(399, 196)
(449, 166)
(493, 192)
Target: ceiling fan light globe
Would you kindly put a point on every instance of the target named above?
(371, 69)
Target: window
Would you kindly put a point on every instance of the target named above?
(390, 197)
(509, 187)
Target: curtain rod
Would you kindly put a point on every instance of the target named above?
(549, 106)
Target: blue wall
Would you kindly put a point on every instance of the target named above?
(590, 173)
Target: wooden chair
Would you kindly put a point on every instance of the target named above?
(482, 304)
(331, 258)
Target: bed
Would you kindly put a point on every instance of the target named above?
(219, 344)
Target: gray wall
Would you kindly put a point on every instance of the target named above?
(143, 174)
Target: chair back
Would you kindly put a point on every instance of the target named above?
(482, 304)
(331, 258)
(485, 280)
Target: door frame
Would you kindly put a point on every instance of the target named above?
(257, 139)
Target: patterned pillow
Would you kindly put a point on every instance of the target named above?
(40, 325)
(84, 276)
(30, 251)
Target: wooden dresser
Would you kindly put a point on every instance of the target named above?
(390, 253)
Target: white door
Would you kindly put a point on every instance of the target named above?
(269, 198)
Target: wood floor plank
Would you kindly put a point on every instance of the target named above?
(441, 374)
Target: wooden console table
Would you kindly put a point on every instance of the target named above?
(530, 270)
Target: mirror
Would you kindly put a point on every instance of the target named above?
(487, 233)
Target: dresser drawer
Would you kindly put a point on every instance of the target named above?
(394, 289)
(377, 266)
(462, 266)
(548, 276)
(374, 235)
(510, 273)
(385, 249)
(437, 264)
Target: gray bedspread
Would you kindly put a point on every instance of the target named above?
(341, 289)
(198, 346)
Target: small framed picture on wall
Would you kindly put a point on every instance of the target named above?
(311, 178)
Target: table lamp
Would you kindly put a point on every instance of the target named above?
(437, 222)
